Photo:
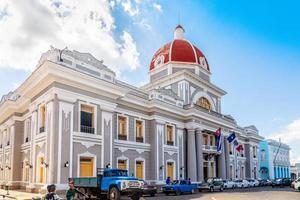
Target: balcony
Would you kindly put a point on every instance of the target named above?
(87, 129)
(171, 143)
(42, 129)
(209, 148)
(139, 139)
(122, 137)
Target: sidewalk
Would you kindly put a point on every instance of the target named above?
(14, 194)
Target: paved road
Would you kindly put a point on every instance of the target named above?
(261, 193)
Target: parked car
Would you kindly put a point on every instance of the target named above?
(109, 183)
(253, 183)
(297, 185)
(241, 183)
(281, 182)
(149, 189)
(265, 182)
(229, 184)
(212, 184)
(179, 186)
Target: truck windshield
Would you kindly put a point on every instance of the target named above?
(115, 173)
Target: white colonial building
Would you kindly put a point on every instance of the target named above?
(72, 115)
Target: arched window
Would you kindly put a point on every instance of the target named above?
(203, 102)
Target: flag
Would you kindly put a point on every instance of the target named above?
(240, 148)
(217, 132)
(218, 135)
(235, 143)
(231, 137)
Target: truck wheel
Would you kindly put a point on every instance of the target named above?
(177, 192)
(167, 193)
(114, 194)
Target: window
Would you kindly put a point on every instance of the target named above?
(122, 128)
(42, 118)
(170, 139)
(87, 119)
(205, 139)
(139, 131)
(212, 140)
(86, 167)
(204, 103)
(263, 155)
(139, 169)
(26, 130)
(122, 164)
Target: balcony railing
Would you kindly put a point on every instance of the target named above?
(87, 129)
(122, 137)
(171, 143)
(139, 139)
(216, 114)
(42, 129)
(210, 148)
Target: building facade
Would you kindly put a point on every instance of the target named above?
(72, 115)
(295, 171)
(274, 160)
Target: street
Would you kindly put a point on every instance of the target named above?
(260, 193)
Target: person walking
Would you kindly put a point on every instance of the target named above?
(51, 195)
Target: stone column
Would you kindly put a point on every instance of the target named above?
(199, 155)
(191, 156)
(221, 161)
(227, 157)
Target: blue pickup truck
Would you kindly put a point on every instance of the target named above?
(110, 184)
(180, 186)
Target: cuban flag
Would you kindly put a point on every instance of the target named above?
(231, 137)
(218, 135)
(239, 148)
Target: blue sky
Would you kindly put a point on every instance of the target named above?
(253, 48)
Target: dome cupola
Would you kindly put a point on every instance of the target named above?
(179, 51)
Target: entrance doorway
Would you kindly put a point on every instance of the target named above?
(139, 169)
(170, 170)
(205, 170)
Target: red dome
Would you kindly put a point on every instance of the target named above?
(178, 51)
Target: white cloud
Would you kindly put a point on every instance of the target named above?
(29, 28)
(143, 24)
(290, 135)
(158, 7)
(130, 8)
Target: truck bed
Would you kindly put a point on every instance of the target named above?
(85, 182)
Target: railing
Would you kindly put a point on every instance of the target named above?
(170, 143)
(216, 114)
(42, 129)
(87, 129)
(210, 148)
(139, 139)
(122, 137)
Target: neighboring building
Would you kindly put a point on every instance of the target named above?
(274, 160)
(295, 171)
(72, 115)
